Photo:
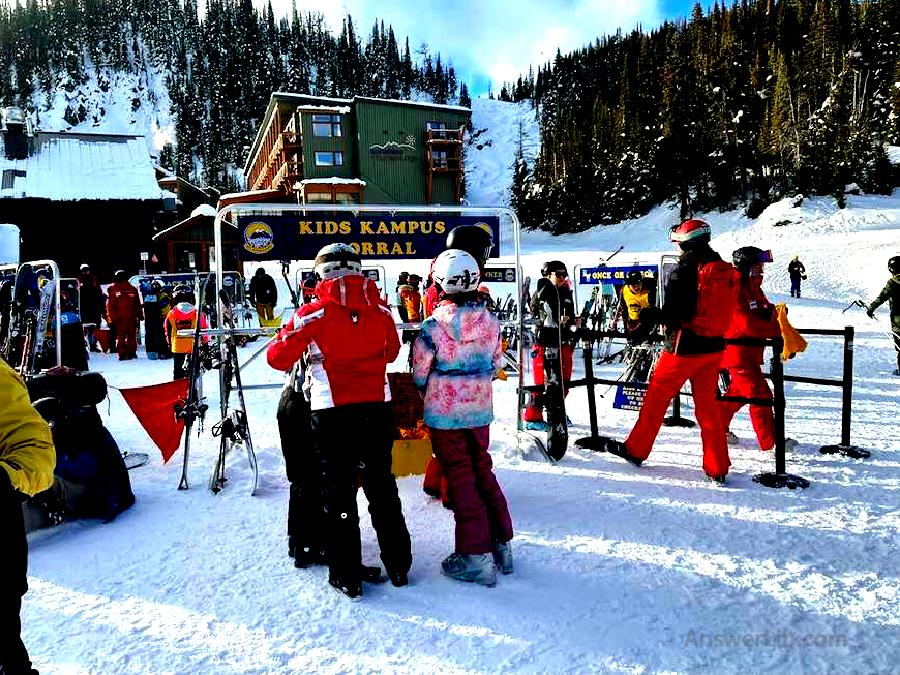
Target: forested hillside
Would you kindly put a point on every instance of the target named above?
(219, 66)
(739, 106)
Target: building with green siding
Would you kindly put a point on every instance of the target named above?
(360, 150)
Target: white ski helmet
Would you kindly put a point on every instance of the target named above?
(456, 271)
(337, 260)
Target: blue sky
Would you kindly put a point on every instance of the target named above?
(489, 41)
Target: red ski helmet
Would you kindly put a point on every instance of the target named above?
(690, 230)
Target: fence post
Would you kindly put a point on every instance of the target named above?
(675, 419)
(844, 447)
(594, 441)
(781, 478)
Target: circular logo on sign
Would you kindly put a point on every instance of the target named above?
(258, 238)
(510, 275)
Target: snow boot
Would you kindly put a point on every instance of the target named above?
(477, 568)
(371, 574)
(718, 480)
(539, 425)
(399, 579)
(896, 371)
(352, 589)
(503, 557)
(618, 449)
(731, 438)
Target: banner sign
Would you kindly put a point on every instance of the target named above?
(613, 275)
(628, 397)
(390, 236)
(499, 274)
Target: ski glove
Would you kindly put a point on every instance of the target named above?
(870, 311)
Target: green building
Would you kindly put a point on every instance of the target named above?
(360, 150)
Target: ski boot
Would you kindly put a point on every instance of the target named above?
(503, 557)
(539, 425)
(718, 480)
(371, 574)
(618, 449)
(352, 589)
(399, 579)
(477, 568)
(731, 438)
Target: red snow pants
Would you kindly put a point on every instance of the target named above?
(435, 485)
(671, 372)
(751, 383)
(534, 412)
(126, 339)
(478, 503)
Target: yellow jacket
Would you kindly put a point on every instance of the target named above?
(26, 446)
(635, 302)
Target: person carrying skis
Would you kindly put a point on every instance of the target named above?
(700, 298)
(753, 317)
(27, 458)
(124, 311)
(890, 294)
(91, 305)
(554, 292)
(183, 316)
(263, 294)
(347, 337)
(454, 360)
(796, 271)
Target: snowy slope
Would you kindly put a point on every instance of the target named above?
(617, 568)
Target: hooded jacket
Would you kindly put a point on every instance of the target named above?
(454, 360)
(27, 454)
(754, 317)
(347, 336)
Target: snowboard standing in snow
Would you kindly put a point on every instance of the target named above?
(554, 397)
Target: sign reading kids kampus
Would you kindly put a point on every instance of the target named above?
(373, 235)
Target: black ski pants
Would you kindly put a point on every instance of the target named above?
(305, 515)
(13, 655)
(353, 445)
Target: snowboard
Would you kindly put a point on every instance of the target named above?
(554, 398)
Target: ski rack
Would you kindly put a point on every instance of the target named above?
(57, 300)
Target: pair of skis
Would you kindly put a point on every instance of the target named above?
(232, 429)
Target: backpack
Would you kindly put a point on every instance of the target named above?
(718, 286)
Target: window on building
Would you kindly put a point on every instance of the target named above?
(326, 126)
(435, 125)
(329, 159)
(318, 198)
(439, 159)
(347, 198)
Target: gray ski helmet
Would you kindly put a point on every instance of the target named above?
(476, 240)
(894, 265)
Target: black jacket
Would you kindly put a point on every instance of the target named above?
(681, 303)
(556, 298)
(262, 290)
(796, 269)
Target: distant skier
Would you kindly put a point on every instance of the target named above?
(700, 297)
(796, 271)
(553, 291)
(183, 316)
(454, 361)
(91, 299)
(348, 338)
(891, 294)
(264, 294)
(124, 311)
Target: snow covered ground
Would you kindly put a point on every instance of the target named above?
(618, 568)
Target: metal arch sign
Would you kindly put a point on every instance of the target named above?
(386, 236)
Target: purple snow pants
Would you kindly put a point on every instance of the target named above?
(482, 516)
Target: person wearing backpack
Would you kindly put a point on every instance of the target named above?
(700, 298)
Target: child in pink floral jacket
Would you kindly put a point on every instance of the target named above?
(454, 361)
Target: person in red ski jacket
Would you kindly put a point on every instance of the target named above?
(754, 317)
(347, 338)
(696, 316)
(123, 309)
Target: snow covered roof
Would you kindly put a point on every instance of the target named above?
(204, 210)
(334, 180)
(70, 167)
(339, 109)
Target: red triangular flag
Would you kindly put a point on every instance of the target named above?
(154, 406)
(153, 258)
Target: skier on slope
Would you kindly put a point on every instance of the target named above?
(124, 311)
(891, 294)
(753, 317)
(347, 337)
(454, 360)
(553, 291)
(700, 298)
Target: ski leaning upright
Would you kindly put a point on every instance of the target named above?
(232, 429)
